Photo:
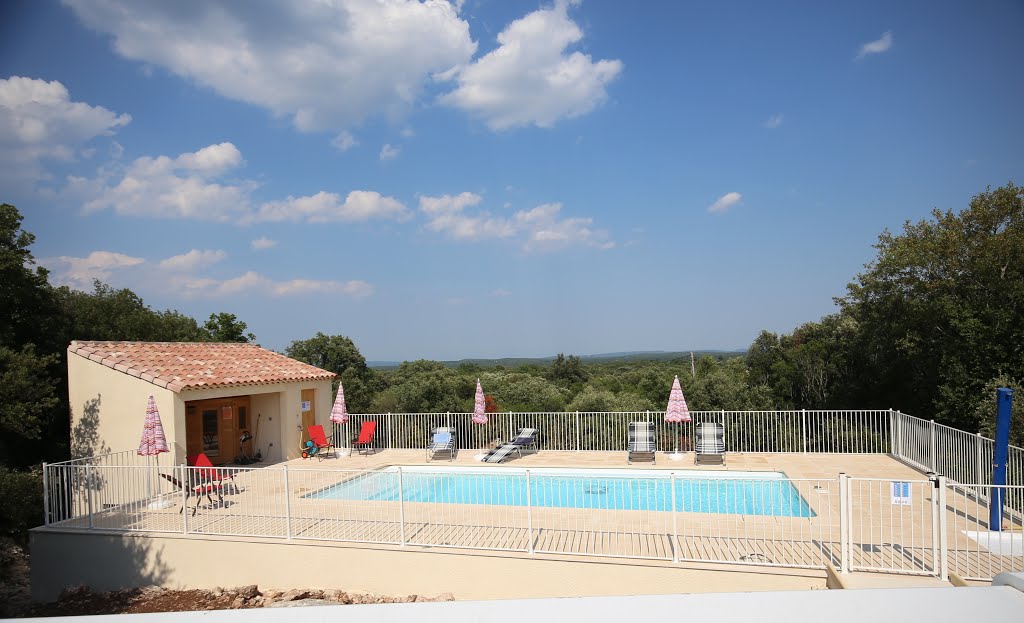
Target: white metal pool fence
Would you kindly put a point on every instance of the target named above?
(928, 527)
(922, 527)
(922, 444)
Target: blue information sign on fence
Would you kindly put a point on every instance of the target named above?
(901, 493)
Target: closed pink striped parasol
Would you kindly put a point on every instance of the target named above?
(677, 410)
(339, 413)
(479, 406)
(153, 440)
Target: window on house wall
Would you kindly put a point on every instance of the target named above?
(211, 438)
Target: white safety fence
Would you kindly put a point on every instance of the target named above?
(852, 523)
(850, 431)
(974, 551)
(926, 527)
(958, 455)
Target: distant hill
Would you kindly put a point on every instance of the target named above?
(515, 362)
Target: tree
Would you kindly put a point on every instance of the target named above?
(490, 404)
(941, 308)
(30, 372)
(28, 399)
(516, 391)
(224, 327)
(762, 356)
(339, 354)
(569, 369)
(723, 385)
(27, 306)
(335, 353)
(111, 314)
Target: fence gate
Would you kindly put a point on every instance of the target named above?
(976, 551)
(893, 526)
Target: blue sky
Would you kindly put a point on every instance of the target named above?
(484, 178)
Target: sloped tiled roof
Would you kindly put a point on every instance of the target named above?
(198, 365)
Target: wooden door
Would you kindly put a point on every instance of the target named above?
(193, 430)
(209, 428)
(308, 413)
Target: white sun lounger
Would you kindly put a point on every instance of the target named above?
(442, 441)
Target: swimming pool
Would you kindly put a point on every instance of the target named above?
(732, 493)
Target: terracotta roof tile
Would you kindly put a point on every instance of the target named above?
(198, 365)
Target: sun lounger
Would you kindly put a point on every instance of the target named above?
(502, 454)
(442, 442)
(642, 443)
(527, 437)
(710, 444)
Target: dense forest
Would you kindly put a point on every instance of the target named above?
(931, 327)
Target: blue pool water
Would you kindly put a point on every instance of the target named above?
(733, 493)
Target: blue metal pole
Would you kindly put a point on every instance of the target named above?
(1004, 402)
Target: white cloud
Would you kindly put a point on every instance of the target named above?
(446, 214)
(877, 46)
(532, 78)
(255, 283)
(192, 261)
(387, 152)
(262, 243)
(175, 274)
(326, 65)
(500, 292)
(538, 228)
(726, 202)
(545, 229)
(196, 185)
(79, 272)
(447, 204)
(774, 121)
(357, 289)
(39, 122)
(324, 207)
(344, 141)
(181, 187)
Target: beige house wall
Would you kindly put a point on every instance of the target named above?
(108, 409)
(266, 408)
(60, 560)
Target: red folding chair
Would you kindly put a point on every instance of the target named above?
(365, 440)
(205, 480)
(321, 443)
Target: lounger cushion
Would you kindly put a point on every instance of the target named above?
(641, 439)
(442, 439)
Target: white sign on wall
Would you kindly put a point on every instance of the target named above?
(305, 406)
(901, 493)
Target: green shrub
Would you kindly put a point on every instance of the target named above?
(22, 506)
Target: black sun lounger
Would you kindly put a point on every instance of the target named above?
(710, 444)
(527, 437)
(642, 443)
